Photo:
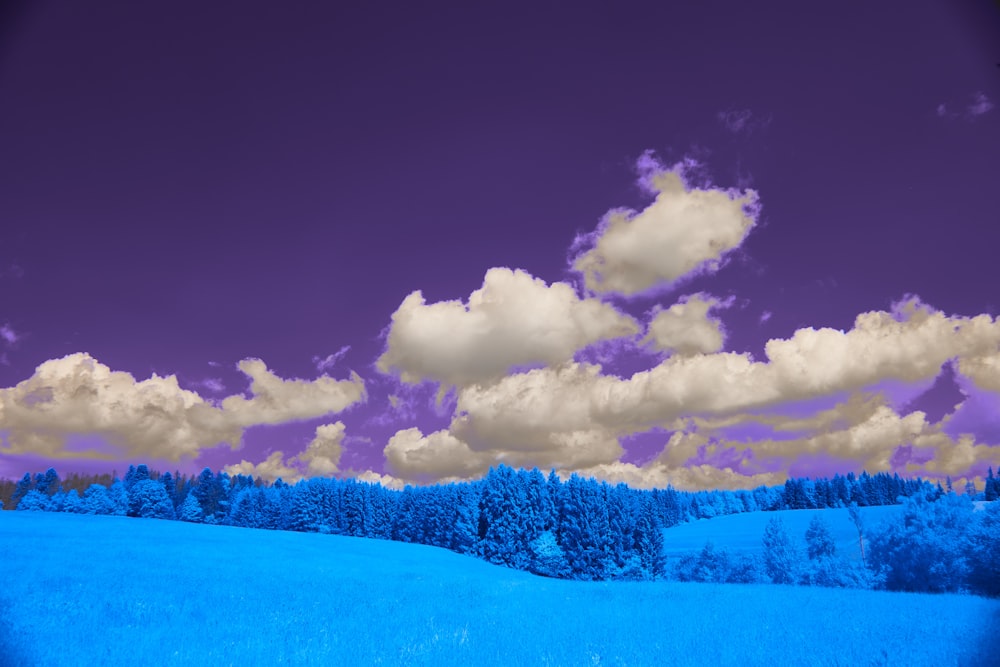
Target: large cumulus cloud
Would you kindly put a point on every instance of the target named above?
(153, 418)
(684, 231)
(512, 320)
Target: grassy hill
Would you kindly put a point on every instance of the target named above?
(743, 532)
(81, 590)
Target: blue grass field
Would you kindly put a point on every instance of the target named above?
(742, 533)
(100, 590)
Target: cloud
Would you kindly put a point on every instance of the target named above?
(387, 481)
(320, 458)
(439, 456)
(322, 454)
(765, 316)
(980, 105)
(512, 320)
(328, 362)
(276, 401)
(685, 231)
(573, 417)
(685, 328)
(153, 418)
(270, 469)
(983, 370)
(742, 121)
(213, 384)
(8, 334)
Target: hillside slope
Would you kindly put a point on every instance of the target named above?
(82, 590)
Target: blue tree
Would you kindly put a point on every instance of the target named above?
(992, 490)
(819, 541)
(119, 498)
(782, 562)
(21, 488)
(982, 549)
(96, 500)
(149, 500)
(48, 483)
(72, 503)
(190, 510)
(34, 501)
(920, 549)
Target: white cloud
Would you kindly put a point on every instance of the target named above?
(572, 416)
(685, 230)
(322, 454)
(330, 360)
(980, 104)
(320, 458)
(685, 328)
(513, 320)
(276, 401)
(983, 370)
(8, 334)
(439, 455)
(387, 481)
(213, 384)
(270, 469)
(153, 418)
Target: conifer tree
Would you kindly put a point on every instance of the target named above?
(191, 510)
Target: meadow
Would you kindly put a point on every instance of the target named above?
(106, 590)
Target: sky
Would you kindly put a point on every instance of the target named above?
(709, 244)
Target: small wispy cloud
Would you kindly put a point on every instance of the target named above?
(328, 362)
(743, 121)
(765, 316)
(213, 385)
(8, 334)
(980, 105)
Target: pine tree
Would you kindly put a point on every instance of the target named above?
(96, 500)
(992, 490)
(191, 510)
(119, 499)
(22, 487)
(34, 501)
(149, 500)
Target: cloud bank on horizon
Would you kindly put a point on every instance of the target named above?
(515, 357)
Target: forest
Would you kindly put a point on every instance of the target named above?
(584, 529)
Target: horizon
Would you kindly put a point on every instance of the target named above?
(628, 244)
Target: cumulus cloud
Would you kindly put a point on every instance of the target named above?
(439, 455)
(276, 401)
(270, 469)
(983, 370)
(572, 416)
(77, 395)
(513, 320)
(685, 231)
(319, 458)
(322, 454)
(685, 328)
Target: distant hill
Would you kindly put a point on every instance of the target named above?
(743, 532)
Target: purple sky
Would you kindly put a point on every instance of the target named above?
(188, 188)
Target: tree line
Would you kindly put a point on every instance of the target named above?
(581, 528)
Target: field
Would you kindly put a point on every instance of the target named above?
(82, 590)
(742, 533)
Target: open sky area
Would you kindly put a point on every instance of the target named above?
(707, 244)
